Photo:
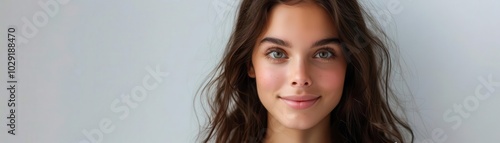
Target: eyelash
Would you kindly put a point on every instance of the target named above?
(329, 50)
(277, 49)
(274, 50)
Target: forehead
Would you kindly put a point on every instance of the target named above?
(306, 21)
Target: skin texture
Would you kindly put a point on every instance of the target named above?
(289, 63)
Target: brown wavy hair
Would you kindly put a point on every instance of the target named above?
(364, 112)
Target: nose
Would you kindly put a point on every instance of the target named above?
(300, 74)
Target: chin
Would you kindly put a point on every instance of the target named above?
(299, 123)
(301, 127)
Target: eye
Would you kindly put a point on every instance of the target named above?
(325, 53)
(276, 54)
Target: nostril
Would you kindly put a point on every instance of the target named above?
(301, 84)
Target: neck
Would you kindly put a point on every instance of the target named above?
(320, 133)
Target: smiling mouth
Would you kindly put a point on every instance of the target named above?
(300, 102)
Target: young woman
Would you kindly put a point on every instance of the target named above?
(307, 71)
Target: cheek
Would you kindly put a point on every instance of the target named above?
(331, 82)
(269, 80)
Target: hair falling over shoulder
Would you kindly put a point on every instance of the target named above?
(365, 112)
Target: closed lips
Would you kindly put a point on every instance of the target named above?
(300, 102)
(300, 98)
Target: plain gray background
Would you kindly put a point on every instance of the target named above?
(81, 63)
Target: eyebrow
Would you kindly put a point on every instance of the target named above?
(287, 44)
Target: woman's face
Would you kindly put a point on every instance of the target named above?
(298, 65)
